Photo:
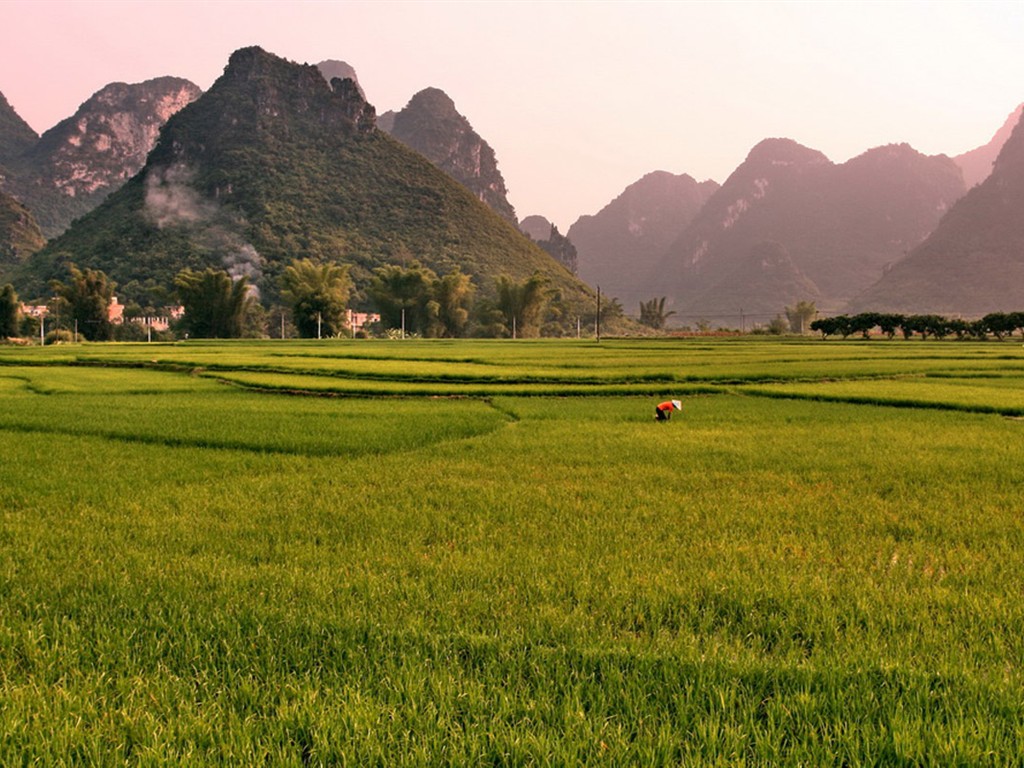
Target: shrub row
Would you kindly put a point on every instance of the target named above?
(998, 324)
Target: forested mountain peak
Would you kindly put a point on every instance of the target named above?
(274, 163)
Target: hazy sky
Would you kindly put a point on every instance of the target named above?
(578, 99)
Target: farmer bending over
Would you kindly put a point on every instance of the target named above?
(663, 411)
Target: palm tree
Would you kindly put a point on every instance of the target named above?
(216, 307)
(522, 304)
(318, 294)
(653, 314)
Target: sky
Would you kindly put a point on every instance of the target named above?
(578, 99)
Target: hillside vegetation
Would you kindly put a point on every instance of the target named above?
(272, 164)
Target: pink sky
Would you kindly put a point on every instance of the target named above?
(578, 99)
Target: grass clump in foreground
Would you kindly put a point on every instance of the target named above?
(557, 581)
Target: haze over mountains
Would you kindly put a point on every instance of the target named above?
(620, 244)
(788, 225)
(832, 228)
(977, 164)
(973, 263)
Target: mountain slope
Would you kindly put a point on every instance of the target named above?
(973, 263)
(274, 163)
(840, 225)
(432, 126)
(977, 163)
(620, 244)
(16, 136)
(20, 236)
(75, 164)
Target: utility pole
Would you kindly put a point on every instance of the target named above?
(318, 326)
(599, 313)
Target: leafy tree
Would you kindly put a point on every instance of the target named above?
(961, 328)
(450, 306)
(522, 304)
(1016, 320)
(87, 296)
(800, 316)
(653, 314)
(999, 324)
(402, 295)
(318, 295)
(925, 325)
(889, 323)
(8, 312)
(216, 307)
(826, 326)
(863, 323)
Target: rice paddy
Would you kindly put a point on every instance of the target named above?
(460, 553)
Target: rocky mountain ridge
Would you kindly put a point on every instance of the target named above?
(16, 136)
(20, 235)
(83, 158)
(431, 125)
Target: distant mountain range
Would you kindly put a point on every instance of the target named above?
(275, 163)
(787, 225)
(790, 225)
(547, 236)
(973, 262)
(619, 245)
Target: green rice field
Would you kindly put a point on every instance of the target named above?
(449, 553)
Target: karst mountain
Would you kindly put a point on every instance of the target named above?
(973, 261)
(274, 163)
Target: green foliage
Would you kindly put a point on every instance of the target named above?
(216, 307)
(59, 336)
(449, 309)
(318, 294)
(9, 311)
(20, 236)
(522, 304)
(403, 295)
(87, 295)
(653, 314)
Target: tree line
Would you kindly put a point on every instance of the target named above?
(315, 297)
(998, 324)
